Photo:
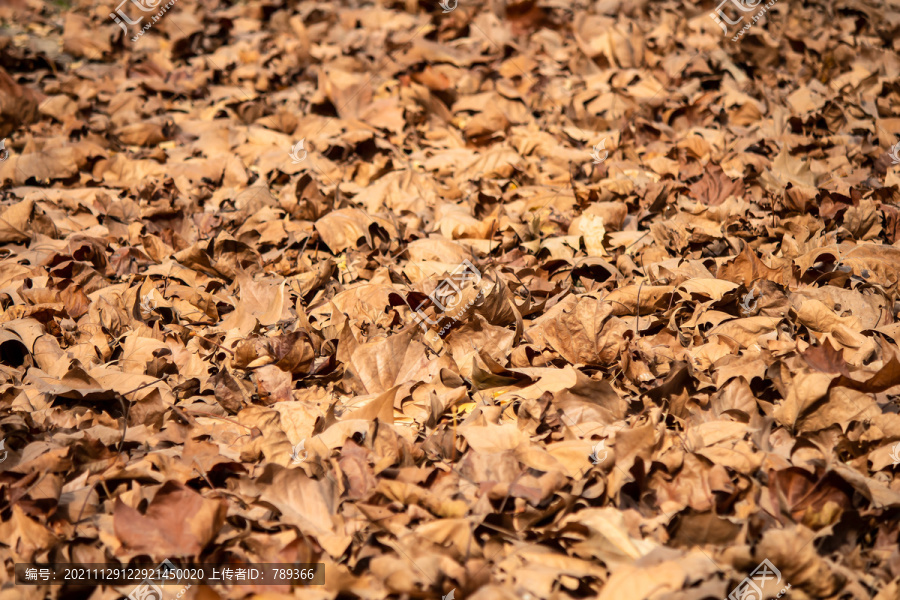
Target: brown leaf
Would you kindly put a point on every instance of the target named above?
(177, 522)
(715, 187)
(18, 104)
(586, 333)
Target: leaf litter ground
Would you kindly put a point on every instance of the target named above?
(234, 327)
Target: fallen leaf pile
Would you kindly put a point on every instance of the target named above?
(513, 300)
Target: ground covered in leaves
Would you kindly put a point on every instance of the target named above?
(677, 356)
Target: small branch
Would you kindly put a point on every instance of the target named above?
(214, 343)
(218, 417)
(638, 319)
(203, 475)
(125, 408)
(84, 504)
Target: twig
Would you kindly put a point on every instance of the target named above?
(305, 242)
(84, 504)
(214, 343)
(637, 240)
(125, 408)
(399, 253)
(491, 239)
(454, 432)
(142, 386)
(218, 417)
(184, 415)
(638, 319)
(126, 411)
(203, 475)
